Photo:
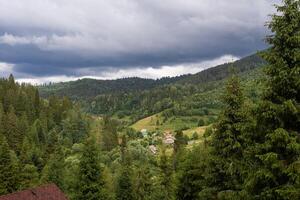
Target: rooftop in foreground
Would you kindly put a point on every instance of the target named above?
(45, 192)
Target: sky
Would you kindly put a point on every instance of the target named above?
(60, 40)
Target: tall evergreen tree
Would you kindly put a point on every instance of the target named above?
(12, 133)
(36, 102)
(53, 172)
(91, 185)
(178, 148)
(193, 175)
(143, 183)
(109, 134)
(29, 177)
(124, 183)
(8, 170)
(166, 178)
(227, 142)
(2, 117)
(276, 148)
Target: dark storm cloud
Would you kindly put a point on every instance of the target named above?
(64, 37)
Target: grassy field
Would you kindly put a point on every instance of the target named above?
(199, 130)
(157, 122)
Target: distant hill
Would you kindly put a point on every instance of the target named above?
(223, 71)
(90, 88)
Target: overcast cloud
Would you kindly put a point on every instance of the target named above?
(43, 40)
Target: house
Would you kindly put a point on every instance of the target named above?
(168, 138)
(45, 192)
(144, 132)
(153, 149)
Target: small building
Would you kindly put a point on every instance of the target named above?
(45, 192)
(168, 138)
(144, 132)
(153, 149)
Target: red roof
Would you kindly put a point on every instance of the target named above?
(45, 192)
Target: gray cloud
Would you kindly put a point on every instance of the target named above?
(64, 37)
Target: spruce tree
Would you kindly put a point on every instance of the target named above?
(25, 151)
(8, 170)
(192, 175)
(109, 134)
(22, 127)
(228, 139)
(91, 185)
(124, 184)
(12, 133)
(276, 143)
(143, 182)
(2, 117)
(124, 188)
(178, 148)
(29, 177)
(166, 177)
(53, 172)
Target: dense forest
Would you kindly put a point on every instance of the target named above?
(134, 98)
(90, 88)
(86, 144)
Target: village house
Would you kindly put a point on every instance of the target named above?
(153, 149)
(45, 192)
(168, 138)
(144, 132)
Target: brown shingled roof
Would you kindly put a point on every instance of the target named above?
(45, 192)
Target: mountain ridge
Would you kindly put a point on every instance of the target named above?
(90, 88)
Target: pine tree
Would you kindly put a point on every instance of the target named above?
(36, 102)
(22, 127)
(276, 148)
(143, 183)
(8, 170)
(227, 142)
(193, 175)
(124, 187)
(75, 127)
(178, 148)
(53, 172)
(2, 117)
(29, 177)
(12, 133)
(91, 183)
(25, 150)
(166, 178)
(109, 134)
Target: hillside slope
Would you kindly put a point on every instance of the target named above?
(89, 88)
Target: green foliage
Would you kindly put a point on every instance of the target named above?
(29, 176)
(90, 181)
(134, 99)
(124, 188)
(32, 129)
(277, 148)
(8, 169)
(53, 171)
(250, 152)
(166, 178)
(193, 174)
(109, 134)
(143, 185)
(75, 126)
(201, 122)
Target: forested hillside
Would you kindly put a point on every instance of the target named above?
(33, 133)
(173, 100)
(134, 98)
(236, 136)
(88, 88)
